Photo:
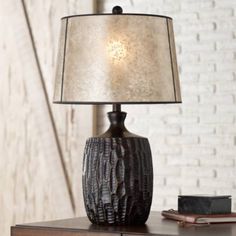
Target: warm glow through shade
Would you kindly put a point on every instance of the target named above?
(127, 58)
(116, 50)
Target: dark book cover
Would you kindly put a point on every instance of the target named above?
(204, 204)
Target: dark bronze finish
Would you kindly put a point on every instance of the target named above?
(117, 10)
(116, 107)
(103, 103)
(110, 14)
(117, 127)
(117, 175)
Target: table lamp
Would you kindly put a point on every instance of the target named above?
(117, 59)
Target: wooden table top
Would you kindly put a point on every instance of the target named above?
(155, 225)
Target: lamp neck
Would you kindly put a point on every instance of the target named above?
(116, 107)
(117, 127)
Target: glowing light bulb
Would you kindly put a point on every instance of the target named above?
(117, 50)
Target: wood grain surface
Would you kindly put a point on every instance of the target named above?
(45, 232)
(41, 144)
(156, 225)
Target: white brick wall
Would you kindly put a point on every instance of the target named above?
(194, 143)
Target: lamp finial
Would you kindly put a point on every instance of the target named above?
(117, 10)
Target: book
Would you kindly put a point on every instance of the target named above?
(199, 219)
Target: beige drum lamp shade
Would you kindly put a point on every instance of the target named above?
(109, 58)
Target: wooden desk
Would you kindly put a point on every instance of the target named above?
(156, 225)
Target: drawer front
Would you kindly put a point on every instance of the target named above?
(17, 231)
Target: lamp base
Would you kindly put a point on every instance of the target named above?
(117, 176)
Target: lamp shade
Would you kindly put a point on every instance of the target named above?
(109, 58)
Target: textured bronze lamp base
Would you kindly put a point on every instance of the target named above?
(117, 176)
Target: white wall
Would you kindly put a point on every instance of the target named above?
(41, 144)
(194, 143)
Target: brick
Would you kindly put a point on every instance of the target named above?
(187, 99)
(216, 76)
(226, 66)
(225, 3)
(216, 13)
(182, 140)
(215, 183)
(227, 191)
(217, 99)
(226, 25)
(198, 27)
(184, 160)
(164, 130)
(197, 172)
(198, 89)
(216, 56)
(226, 87)
(181, 119)
(182, 39)
(198, 67)
(159, 181)
(133, 123)
(167, 150)
(197, 190)
(156, 141)
(216, 161)
(226, 150)
(187, 78)
(158, 203)
(168, 171)
(178, 49)
(171, 202)
(198, 47)
(226, 172)
(226, 130)
(134, 109)
(192, 5)
(217, 140)
(106, 6)
(198, 129)
(216, 36)
(190, 58)
(180, 181)
(168, 191)
(152, 6)
(199, 150)
(170, 8)
(159, 161)
(199, 109)
(217, 119)
(171, 109)
(186, 17)
(225, 109)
